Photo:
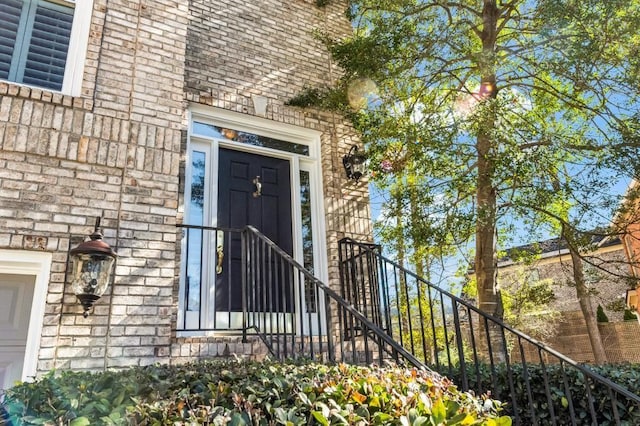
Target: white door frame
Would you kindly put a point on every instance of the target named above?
(310, 164)
(38, 264)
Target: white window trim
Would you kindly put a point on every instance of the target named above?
(78, 46)
(310, 163)
(38, 264)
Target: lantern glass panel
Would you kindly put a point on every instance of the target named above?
(358, 167)
(91, 273)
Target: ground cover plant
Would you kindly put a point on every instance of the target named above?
(245, 393)
(564, 384)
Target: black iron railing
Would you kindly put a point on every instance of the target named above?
(318, 323)
(240, 281)
(477, 351)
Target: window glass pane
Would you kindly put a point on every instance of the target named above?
(307, 238)
(48, 46)
(195, 236)
(248, 138)
(10, 19)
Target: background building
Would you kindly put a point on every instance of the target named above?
(560, 322)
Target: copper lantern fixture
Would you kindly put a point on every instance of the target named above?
(92, 265)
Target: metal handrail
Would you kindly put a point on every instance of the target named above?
(298, 316)
(391, 289)
(273, 308)
(375, 334)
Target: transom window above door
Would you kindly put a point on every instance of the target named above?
(210, 130)
(43, 43)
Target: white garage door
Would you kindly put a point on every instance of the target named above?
(16, 298)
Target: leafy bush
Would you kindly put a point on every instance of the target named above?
(601, 316)
(629, 315)
(514, 393)
(238, 393)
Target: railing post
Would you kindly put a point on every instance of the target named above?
(244, 283)
(187, 284)
(460, 345)
(331, 346)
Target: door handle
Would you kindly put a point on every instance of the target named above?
(258, 184)
(219, 251)
(220, 256)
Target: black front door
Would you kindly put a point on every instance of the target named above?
(268, 209)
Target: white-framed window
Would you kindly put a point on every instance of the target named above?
(43, 43)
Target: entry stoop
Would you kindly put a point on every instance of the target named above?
(188, 349)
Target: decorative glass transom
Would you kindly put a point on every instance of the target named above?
(209, 130)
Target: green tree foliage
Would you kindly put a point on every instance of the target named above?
(527, 306)
(501, 112)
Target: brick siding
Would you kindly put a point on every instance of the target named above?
(608, 284)
(117, 151)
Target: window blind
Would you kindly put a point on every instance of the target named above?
(34, 41)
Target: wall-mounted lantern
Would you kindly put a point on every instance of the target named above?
(92, 264)
(354, 163)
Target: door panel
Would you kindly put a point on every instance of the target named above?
(16, 298)
(11, 364)
(270, 212)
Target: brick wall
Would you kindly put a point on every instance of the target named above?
(239, 49)
(117, 152)
(113, 152)
(620, 339)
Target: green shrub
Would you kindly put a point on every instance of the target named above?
(629, 315)
(238, 393)
(601, 316)
(515, 394)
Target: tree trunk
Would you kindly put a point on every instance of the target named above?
(584, 299)
(489, 299)
(488, 296)
(403, 305)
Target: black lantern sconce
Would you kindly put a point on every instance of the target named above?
(354, 163)
(92, 264)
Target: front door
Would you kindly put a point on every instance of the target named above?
(16, 297)
(235, 178)
(253, 190)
